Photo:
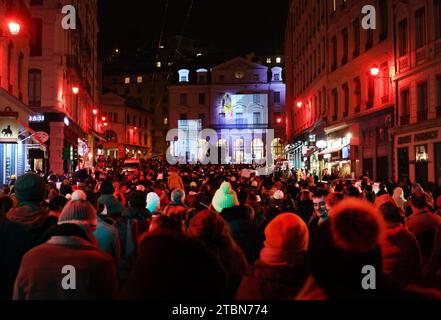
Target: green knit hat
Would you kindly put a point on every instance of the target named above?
(223, 198)
(29, 188)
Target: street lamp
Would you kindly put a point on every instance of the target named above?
(375, 71)
(14, 27)
(299, 104)
(95, 112)
(75, 90)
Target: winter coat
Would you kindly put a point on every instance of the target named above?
(114, 207)
(16, 239)
(42, 274)
(270, 282)
(424, 225)
(175, 181)
(402, 261)
(108, 239)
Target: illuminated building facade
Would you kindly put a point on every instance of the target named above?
(240, 100)
(340, 93)
(63, 83)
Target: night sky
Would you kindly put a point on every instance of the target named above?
(238, 26)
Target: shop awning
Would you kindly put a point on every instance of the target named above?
(330, 151)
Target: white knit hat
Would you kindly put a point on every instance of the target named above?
(78, 211)
(153, 202)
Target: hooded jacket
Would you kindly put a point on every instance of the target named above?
(22, 230)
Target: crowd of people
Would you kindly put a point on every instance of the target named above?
(215, 232)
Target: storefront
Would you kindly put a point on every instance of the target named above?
(13, 138)
(418, 155)
(65, 138)
(340, 156)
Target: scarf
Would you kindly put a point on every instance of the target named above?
(280, 257)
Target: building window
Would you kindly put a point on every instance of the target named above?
(384, 19)
(335, 99)
(344, 35)
(422, 102)
(278, 60)
(256, 118)
(405, 111)
(145, 139)
(183, 116)
(403, 42)
(268, 60)
(240, 119)
(420, 27)
(158, 64)
(437, 18)
(334, 53)
(202, 98)
(34, 79)
(183, 99)
(166, 121)
(357, 94)
(276, 97)
(438, 93)
(128, 119)
(371, 92)
(139, 79)
(346, 101)
(127, 80)
(36, 38)
(276, 77)
(134, 120)
(256, 98)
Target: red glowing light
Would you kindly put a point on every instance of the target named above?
(14, 28)
(103, 118)
(105, 124)
(95, 111)
(136, 128)
(375, 71)
(299, 104)
(279, 120)
(75, 90)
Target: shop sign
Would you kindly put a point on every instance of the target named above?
(83, 149)
(40, 137)
(36, 118)
(8, 126)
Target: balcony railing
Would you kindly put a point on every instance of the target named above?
(239, 126)
(405, 120)
(422, 115)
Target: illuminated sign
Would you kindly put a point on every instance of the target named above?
(8, 126)
(36, 118)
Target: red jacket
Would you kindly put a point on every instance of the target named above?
(402, 261)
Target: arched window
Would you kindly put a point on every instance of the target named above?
(203, 149)
(224, 151)
(34, 88)
(238, 151)
(258, 149)
(277, 148)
